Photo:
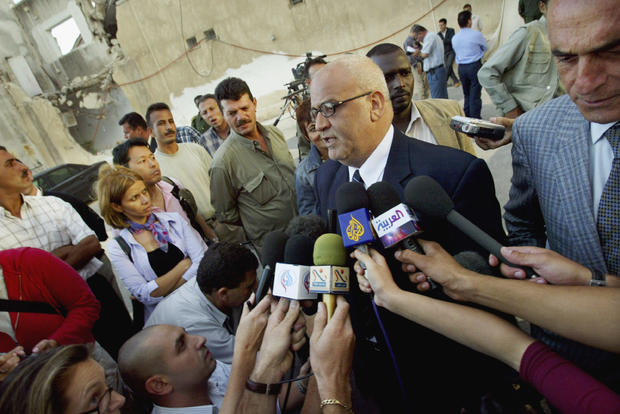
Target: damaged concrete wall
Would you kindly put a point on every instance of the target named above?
(77, 81)
(153, 33)
(34, 130)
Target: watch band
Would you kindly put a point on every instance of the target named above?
(598, 278)
(260, 388)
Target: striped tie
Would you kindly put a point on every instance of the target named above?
(608, 222)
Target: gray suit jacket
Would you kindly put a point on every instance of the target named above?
(551, 193)
(551, 201)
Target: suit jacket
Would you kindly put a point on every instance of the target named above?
(446, 366)
(551, 201)
(437, 114)
(447, 40)
(465, 178)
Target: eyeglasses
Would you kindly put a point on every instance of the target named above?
(328, 108)
(102, 404)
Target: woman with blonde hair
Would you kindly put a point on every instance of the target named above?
(63, 380)
(155, 252)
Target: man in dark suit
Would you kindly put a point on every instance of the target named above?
(447, 33)
(354, 114)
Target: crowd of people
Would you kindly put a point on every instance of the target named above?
(190, 210)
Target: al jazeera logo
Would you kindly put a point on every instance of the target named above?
(355, 229)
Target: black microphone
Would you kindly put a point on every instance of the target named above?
(353, 216)
(427, 196)
(271, 253)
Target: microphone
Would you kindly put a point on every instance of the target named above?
(329, 275)
(426, 195)
(271, 253)
(292, 278)
(353, 216)
(393, 221)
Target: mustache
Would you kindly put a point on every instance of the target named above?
(241, 123)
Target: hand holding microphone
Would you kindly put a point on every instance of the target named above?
(426, 195)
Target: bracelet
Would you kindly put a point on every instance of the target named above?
(260, 388)
(333, 401)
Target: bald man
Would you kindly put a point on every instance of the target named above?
(351, 102)
(173, 369)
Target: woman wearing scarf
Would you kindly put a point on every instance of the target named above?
(164, 252)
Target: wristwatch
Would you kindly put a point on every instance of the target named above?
(598, 278)
(260, 388)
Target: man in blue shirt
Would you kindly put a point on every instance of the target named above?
(469, 46)
(432, 53)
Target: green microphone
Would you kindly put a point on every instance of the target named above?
(329, 275)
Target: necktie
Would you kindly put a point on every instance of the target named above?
(357, 177)
(608, 221)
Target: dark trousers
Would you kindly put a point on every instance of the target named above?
(113, 327)
(471, 88)
(448, 59)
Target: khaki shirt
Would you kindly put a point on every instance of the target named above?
(522, 71)
(251, 188)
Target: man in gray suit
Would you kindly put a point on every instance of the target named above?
(566, 161)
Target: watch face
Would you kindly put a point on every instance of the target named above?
(598, 278)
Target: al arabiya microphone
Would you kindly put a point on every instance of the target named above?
(393, 221)
(427, 196)
(292, 277)
(329, 275)
(353, 216)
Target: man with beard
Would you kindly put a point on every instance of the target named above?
(428, 119)
(253, 173)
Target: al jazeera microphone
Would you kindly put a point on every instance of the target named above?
(329, 275)
(353, 216)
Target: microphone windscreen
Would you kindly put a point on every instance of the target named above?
(298, 250)
(382, 197)
(329, 250)
(351, 196)
(427, 196)
(475, 262)
(273, 248)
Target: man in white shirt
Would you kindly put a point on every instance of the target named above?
(50, 224)
(432, 52)
(187, 162)
(476, 23)
(173, 369)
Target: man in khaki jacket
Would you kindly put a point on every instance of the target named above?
(522, 73)
(427, 119)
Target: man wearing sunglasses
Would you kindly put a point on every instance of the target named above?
(352, 110)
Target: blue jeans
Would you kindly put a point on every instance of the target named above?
(437, 82)
(468, 73)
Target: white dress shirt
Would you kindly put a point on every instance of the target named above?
(417, 128)
(601, 160)
(372, 169)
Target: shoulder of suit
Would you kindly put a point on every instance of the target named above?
(551, 112)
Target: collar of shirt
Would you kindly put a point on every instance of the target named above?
(598, 130)
(250, 143)
(372, 169)
(219, 316)
(417, 128)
